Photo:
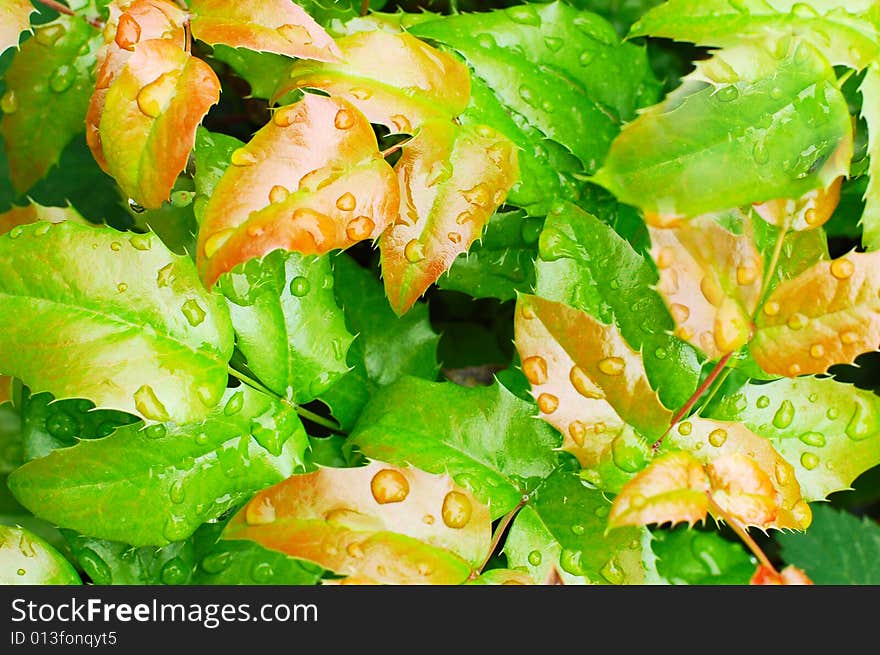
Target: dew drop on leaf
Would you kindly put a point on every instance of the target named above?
(157, 431)
(535, 369)
(454, 237)
(128, 32)
(295, 34)
(548, 403)
(360, 228)
(762, 402)
(262, 572)
(42, 228)
(175, 528)
(95, 567)
(50, 34)
(177, 492)
(809, 461)
(414, 251)
(234, 404)
(585, 58)
(62, 425)
(717, 437)
(242, 157)
(278, 193)
(140, 242)
(570, 561)
(842, 268)
(685, 428)
(148, 404)
(456, 510)
(62, 78)
(216, 240)
(727, 94)
(216, 562)
(174, 572)
(612, 572)
(344, 119)
(784, 415)
(535, 558)
(816, 439)
(612, 366)
(164, 276)
(193, 312)
(578, 529)
(524, 15)
(299, 286)
(389, 486)
(858, 426)
(122, 287)
(626, 456)
(9, 102)
(578, 432)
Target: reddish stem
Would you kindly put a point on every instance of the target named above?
(64, 9)
(499, 532)
(743, 534)
(716, 370)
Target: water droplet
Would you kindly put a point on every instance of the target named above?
(464, 217)
(360, 228)
(389, 486)
(548, 403)
(234, 404)
(128, 32)
(122, 287)
(727, 93)
(627, 456)
(321, 383)
(602, 511)
(711, 290)
(414, 251)
(849, 338)
(456, 510)
(660, 353)
(454, 237)
(62, 79)
(260, 511)
(612, 572)
(553, 43)
(582, 383)
(746, 273)
(262, 572)
(578, 529)
(842, 268)
(346, 202)
(177, 493)
(535, 558)
(115, 246)
(803, 10)
(284, 117)
(9, 102)
(762, 402)
(344, 120)
(21, 572)
(157, 431)
(685, 428)
(202, 438)
(95, 567)
(48, 35)
(147, 403)
(217, 562)
(62, 425)
(760, 153)
(165, 275)
(524, 15)
(797, 321)
(859, 425)
(794, 370)
(535, 369)
(718, 437)
(278, 193)
(809, 461)
(679, 313)
(153, 98)
(216, 240)
(243, 157)
(527, 95)
(295, 34)
(816, 439)
(611, 365)
(176, 528)
(817, 350)
(193, 312)
(479, 195)
(585, 58)
(16, 232)
(401, 124)
(784, 415)
(299, 286)
(578, 432)
(361, 94)
(771, 308)
(140, 242)
(570, 561)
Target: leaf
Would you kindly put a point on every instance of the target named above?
(47, 92)
(318, 159)
(584, 376)
(32, 212)
(711, 280)
(584, 263)
(386, 348)
(870, 219)
(563, 526)
(688, 556)
(395, 79)
(674, 488)
(150, 116)
(392, 525)
(287, 322)
(553, 67)
(277, 26)
(501, 262)
(808, 212)
(748, 478)
(800, 250)
(452, 178)
(14, 19)
(48, 424)
(128, 25)
(827, 430)
(123, 306)
(157, 484)
(790, 575)
(781, 127)
(261, 70)
(502, 577)
(826, 315)
(486, 438)
(840, 29)
(211, 156)
(838, 549)
(27, 559)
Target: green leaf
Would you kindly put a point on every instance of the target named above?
(154, 485)
(842, 30)
(386, 348)
(174, 220)
(27, 559)
(287, 322)
(827, 430)
(47, 93)
(48, 424)
(261, 70)
(121, 304)
(838, 549)
(558, 69)
(563, 526)
(212, 154)
(486, 438)
(780, 127)
(585, 264)
(501, 262)
(870, 221)
(690, 556)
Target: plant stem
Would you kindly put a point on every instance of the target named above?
(774, 259)
(716, 370)
(64, 9)
(743, 534)
(499, 532)
(365, 7)
(718, 384)
(302, 411)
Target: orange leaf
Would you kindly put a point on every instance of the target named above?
(749, 479)
(311, 180)
(150, 117)
(5, 388)
(35, 212)
(129, 24)
(376, 522)
(278, 26)
(452, 178)
(810, 211)
(710, 279)
(829, 314)
(673, 488)
(396, 80)
(790, 575)
(14, 19)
